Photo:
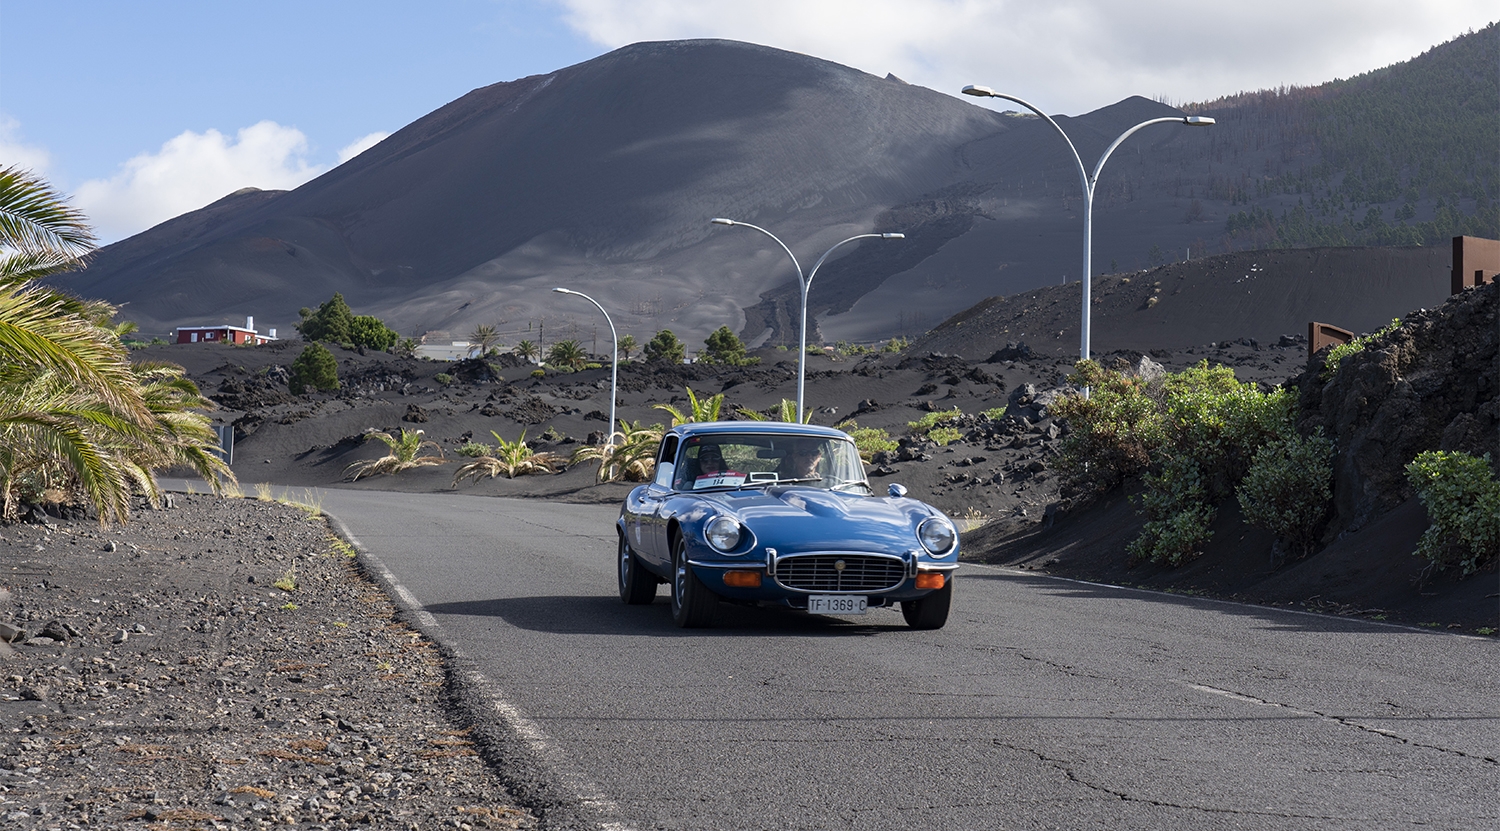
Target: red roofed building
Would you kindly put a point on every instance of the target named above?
(224, 333)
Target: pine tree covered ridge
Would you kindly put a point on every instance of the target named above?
(1402, 155)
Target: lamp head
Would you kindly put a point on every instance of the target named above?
(1198, 121)
(565, 291)
(719, 220)
(893, 236)
(982, 92)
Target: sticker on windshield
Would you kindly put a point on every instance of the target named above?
(722, 479)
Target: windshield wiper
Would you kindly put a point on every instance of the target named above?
(844, 483)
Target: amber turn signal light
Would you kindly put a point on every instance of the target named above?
(743, 579)
(930, 580)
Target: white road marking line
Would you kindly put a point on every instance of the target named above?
(546, 749)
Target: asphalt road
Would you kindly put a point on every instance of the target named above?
(1042, 704)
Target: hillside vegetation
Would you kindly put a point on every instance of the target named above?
(1403, 155)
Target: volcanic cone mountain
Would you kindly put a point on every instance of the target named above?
(603, 176)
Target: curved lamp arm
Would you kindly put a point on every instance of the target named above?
(805, 284)
(719, 220)
(986, 92)
(614, 361)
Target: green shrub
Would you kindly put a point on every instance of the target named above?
(944, 435)
(868, 440)
(473, 449)
(1462, 499)
(539, 373)
(443, 378)
(1344, 350)
(1178, 515)
(895, 345)
(994, 413)
(1192, 438)
(1288, 488)
(316, 368)
(1114, 433)
(924, 425)
(367, 330)
(1220, 423)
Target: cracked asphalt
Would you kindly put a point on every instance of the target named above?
(1044, 703)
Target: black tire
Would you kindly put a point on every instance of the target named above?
(637, 585)
(693, 605)
(930, 612)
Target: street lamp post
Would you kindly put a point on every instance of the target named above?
(805, 284)
(614, 359)
(1088, 182)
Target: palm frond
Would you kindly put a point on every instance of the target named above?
(34, 217)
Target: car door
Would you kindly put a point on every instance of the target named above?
(651, 533)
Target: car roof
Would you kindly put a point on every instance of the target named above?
(759, 428)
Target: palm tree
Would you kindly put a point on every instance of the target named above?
(628, 345)
(512, 458)
(76, 419)
(788, 413)
(402, 455)
(568, 353)
(631, 458)
(45, 235)
(702, 409)
(526, 350)
(484, 337)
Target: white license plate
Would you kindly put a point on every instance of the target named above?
(836, 604)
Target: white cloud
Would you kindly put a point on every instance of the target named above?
(360, 145)
(191, 171)
(14, 152)
(1068, 56)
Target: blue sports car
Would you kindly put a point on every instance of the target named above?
(767, 512)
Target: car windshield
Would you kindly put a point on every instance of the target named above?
(734, 460)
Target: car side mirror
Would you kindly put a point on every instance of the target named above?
(897, 491)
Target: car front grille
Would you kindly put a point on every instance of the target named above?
(840, 572)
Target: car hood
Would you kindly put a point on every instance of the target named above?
(793, 519)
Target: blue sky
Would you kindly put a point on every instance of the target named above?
(144, 109)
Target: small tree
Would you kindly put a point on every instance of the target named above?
(316, 368)
(665, 348)
(367, 330)
(628, 346)
(725, 347)
(333, 321)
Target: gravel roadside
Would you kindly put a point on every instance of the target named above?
(223, 663)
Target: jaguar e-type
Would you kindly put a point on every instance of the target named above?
(779, 513)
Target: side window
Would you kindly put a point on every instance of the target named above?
(664, 462)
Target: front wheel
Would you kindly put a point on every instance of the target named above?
(693, 605)
(931, 611)
(637, 586)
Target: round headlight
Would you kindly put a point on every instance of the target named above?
(937, 535)
(723, 533)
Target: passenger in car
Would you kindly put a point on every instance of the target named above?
(801, 461)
